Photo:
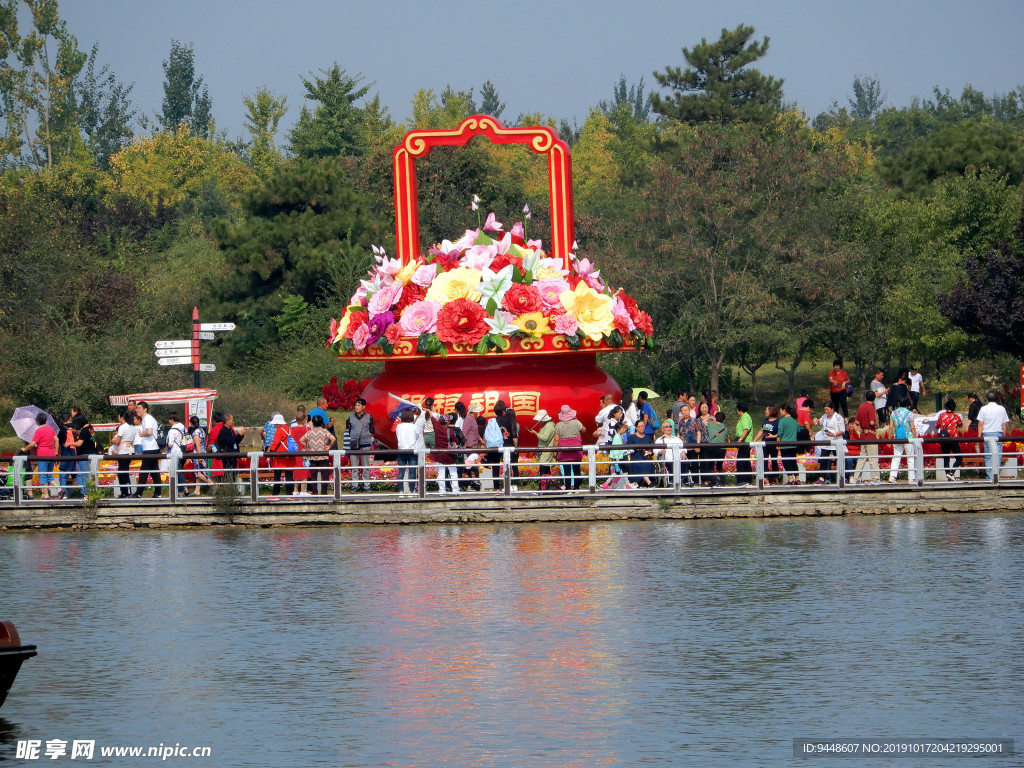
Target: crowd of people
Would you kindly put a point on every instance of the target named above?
(637, 447)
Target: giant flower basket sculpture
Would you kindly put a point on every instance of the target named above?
(491, 315)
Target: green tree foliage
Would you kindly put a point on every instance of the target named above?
(868, 98)
(105, 112)
(954, 148)
(186, 100)
(733, 224)
(334, 127)
(265, 110)
(490, 102)
(37, 73)
(719, 85)
(989, 300)
(306, 234)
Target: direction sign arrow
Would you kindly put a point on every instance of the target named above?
(175, 344)
(216, 326)
(206, 335)
(170, 352)
(210, 367)
(175, 361)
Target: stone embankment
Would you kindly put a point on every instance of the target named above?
(518, 508)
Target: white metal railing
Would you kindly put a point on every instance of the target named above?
(268, 478)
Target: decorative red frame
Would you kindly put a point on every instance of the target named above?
(540, 139)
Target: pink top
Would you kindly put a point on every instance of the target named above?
(45, 440)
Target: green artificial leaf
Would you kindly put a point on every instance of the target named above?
(483, 239)
(500, 342)
(386, 345)
(518, 276)
(423, 343)
(615, 338)
(482, 346)
(573, 341)
(517, 250)
(347, 345)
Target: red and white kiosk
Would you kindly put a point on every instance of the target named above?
(197, 402)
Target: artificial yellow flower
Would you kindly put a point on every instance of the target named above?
(592, 310)
(547, 273)
(460, 283)
(532, 324)
(339, 334)
(404, 275)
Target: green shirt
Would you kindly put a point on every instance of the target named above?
(787, 428)
(745, 423)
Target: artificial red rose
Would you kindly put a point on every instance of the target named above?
(410, 295)
(520, 299)
(573, 280)
(622, 325)
(358, 319)
(645, 324)
(393, 334)
(461, 320)
(631, 307)
(502, 260)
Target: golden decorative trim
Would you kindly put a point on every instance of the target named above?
(530, 345)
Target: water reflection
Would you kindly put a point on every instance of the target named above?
(699, 642)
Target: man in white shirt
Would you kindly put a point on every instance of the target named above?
(992, 421)
(601, 433)
(880, 390)
(916, 386)
(150, 450)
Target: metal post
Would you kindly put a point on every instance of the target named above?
(918, 459)
(172, 477)
(254, 476)
(840, 445)
(758, 464)
(592, 468)
(421, 471)
(677, 469)
(506, 471)
(336, 471)
(18, 467)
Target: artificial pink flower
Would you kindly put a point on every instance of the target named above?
(418, 318)
(566, 324)
(424, 275)
(384, 299)
(479, 257)
(550, 289)
(361, 337)
(517, 230)
(492, 224)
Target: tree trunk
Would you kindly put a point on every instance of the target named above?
(716, 360)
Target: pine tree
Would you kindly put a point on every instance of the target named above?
(719, 85)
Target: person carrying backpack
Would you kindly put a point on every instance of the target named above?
(901, 421)
(283, 465)
(175, 439)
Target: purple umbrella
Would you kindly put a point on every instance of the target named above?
(24, 421)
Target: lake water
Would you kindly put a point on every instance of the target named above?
(635, 643)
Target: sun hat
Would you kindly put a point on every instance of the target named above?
(476, 408)
(277, 419)
(566, 413)
(541, 416)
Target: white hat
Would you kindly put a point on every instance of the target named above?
(541, 416)
(476, 408)
(277, 419)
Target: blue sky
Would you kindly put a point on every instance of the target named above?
(558, 58)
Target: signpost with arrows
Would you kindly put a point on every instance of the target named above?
(186, 351)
